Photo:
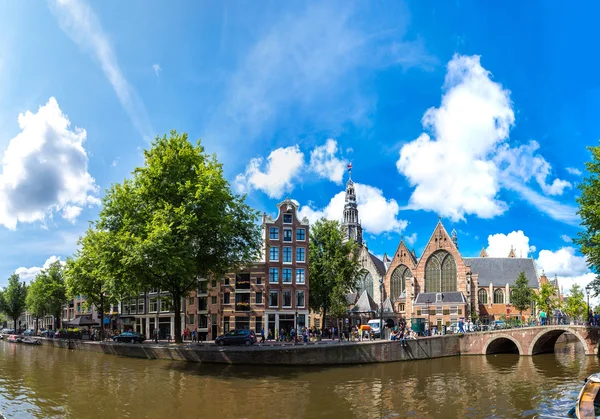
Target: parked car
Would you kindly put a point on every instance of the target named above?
(498, 324)
(237, 337)
(29, 332)
(129, 337)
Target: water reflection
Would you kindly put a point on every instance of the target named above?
(53, 382)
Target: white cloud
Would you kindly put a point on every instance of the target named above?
(28, 274)
(499, 245)
(78, 20)
(459, 167)
(568, 267)
(45, 169)
(157, 69)
(283, 164)
(411, 240)
(566, 238)
(574, 171)
(377, 214)
(324, 162)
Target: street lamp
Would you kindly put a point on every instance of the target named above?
(381, 330)
(588, 288)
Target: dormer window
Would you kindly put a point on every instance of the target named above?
(438, 297)
(287, 218)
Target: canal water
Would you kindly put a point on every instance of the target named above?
(49, 382)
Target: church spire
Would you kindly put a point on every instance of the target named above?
(483, 253)
(512, 253)
(351, 224)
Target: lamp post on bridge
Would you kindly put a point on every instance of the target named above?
(588, 288)
(381, 329)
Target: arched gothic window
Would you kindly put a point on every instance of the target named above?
(482, 296)
(440, 273)
(398, 281)
(499, 296)
(365, 282)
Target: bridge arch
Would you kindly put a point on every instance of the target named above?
(502, 343)
(544, 341)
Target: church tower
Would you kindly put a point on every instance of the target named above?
(351, 224)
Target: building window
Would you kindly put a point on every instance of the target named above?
(274, 254)
(299, 276)
(365, 283)
(153, 291)
(287, 234)
(482, 296)
(226, 280)
(398, 281)
(203, 287)
(166, 305)
(213, 283)
(258, 281)
(300, 234)
(273, 275)
(300, 299)
(140, 306)
(153, 305)
(226, 298)
(287, 299)
(191, 319)
(287, 255)
(258, 298)
(273, 298)
(402, 308)
(203, 303)
(440, 273)
(300, 254)
(202, 321)
(499, 296)
(213, 299)
(226, 324)
(287, 276)
(274, 233)
(453, 310)
(287, 218)
(191, 301)
(258, 324)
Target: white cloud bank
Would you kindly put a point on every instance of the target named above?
(45, 170)
(499, 245)
(28, 274)
(463, 160)
(324, 162)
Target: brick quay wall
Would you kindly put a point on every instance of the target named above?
(331, 353)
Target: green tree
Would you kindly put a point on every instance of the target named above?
(333, 269)
(576, 306)
(589, 212)
(89, 273)
(545, 299)
(36, 300)
(521, 294)
(175, 221)
(12, 299)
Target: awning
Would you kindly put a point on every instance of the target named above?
(82, 321)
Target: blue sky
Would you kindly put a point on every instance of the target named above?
(476, 112)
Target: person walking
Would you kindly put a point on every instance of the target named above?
(194, 336)
(262, 335)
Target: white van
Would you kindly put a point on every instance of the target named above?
(375, 327)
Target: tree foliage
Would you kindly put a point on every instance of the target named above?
(546, 298)
(333, 268)
(521, 294)
(576, 306)
(589, 212)
(176, 220)
(12, 298)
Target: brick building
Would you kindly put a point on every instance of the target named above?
(270, 294)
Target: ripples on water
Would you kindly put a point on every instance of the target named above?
(52, 382)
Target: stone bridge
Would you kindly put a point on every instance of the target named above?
(528, 340)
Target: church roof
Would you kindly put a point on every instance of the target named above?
(351, 298)
(378, 264)
(502, 271)
(387, 306)
(365, 304)
(447, 297)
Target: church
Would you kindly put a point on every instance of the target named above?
(440, 287)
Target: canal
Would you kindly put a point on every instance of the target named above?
(53, 382)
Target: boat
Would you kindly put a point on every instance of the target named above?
(31, 341)
(15, 339)
(588, 401)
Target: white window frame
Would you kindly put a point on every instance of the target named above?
(291, 218)
(304, 253)
(291, 255)
(273, 228)
(291, 240)
(303, 281)
(454, 310)
(150, 309)
(270, 255)
(276, 292)
(300, 240)
(283, 280)
(283, 299)
(303, 298)
(271, 281)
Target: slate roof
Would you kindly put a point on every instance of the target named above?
(365, 304)
(502, 271)
(351, 298)
(378, 264)
(387, 306)
(447, 297)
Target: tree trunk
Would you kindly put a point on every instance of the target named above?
(323, 320)
(37, 324)
(101, 318)
(58, 320)
(177, 311)
(15, 323)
